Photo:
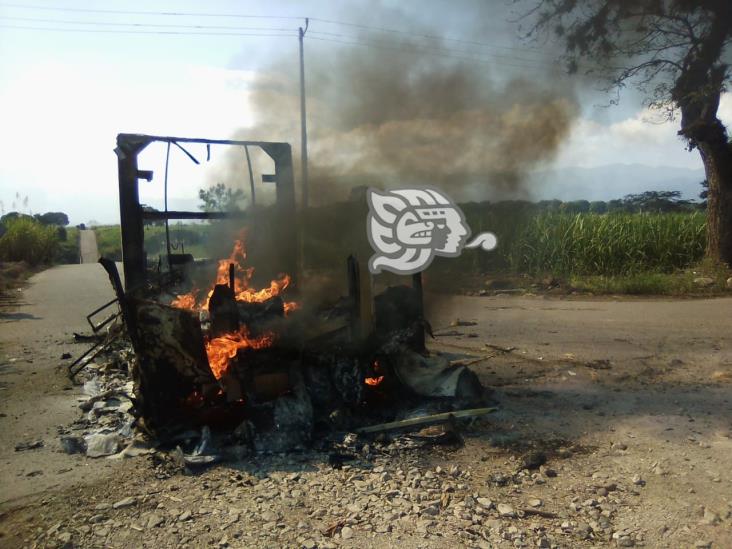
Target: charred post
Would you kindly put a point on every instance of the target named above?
(419, 340)
(354, 295)
(223, 311)
(133, 236)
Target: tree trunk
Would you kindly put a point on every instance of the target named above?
(716, 153)
(697, 92)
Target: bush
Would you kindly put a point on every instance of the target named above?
(109, 242)
(53, 218)
(68, 251)
(26, 239)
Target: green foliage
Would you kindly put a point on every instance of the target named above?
(25, 239)
(109, 241)
(650, 44)
(611, 244)
(652, 283)
(13, 215)
(576, 206)
(613, 252)
(598, 207)
(656, 201)
(532, 238)
(192, 239)
(68, 250)
(53, 218)
(48, 218)
(220, 198)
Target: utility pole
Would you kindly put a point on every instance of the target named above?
(303, 122)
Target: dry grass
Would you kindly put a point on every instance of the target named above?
(13, 274)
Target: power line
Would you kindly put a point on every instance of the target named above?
(235, 28)
(143, 25)
(115, 31)
(164, 13)
(406, 47)
(418, 35)
(440, 49)
(257, 16)
(482, 60)
(468, 55)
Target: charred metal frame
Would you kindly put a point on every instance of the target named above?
(132, 216)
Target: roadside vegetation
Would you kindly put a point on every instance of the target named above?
(109, 241)
(608, 244)
(652, 253)
(191, 239)
(26, 239)
(648, 243)
(29, 243)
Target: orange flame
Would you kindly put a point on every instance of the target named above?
(186, 301)
(374, 381)
(242, 290)
(220, 350)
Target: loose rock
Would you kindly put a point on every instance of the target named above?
(126, 502)
(505, 510)
(704, 281)
(99, 445)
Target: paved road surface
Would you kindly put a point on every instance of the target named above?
(36, 398)
(88, 246)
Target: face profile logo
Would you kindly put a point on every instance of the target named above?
(408, 227)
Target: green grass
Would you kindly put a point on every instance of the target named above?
(657, 283)
(109, 241)
(192, 239)
(13, 274)
(67, 251)
(638, 284)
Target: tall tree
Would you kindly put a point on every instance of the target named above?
(678, 53)
(220, 198)
(53, 218)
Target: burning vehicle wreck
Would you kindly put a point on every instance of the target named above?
(216, 348)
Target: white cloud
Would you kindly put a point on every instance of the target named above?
(60, 123)
(645, 138)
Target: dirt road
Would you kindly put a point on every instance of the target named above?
(629, 400)
(692, 330)
(88, 246)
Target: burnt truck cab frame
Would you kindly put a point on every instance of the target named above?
(133, 216)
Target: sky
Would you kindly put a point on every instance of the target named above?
(66, 94)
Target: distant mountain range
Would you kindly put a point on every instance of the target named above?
(613, 181)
